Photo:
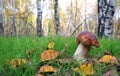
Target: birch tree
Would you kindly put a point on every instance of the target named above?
(39, 17)
(106, 10)
(12, 17)
(9, 17)
(56, 16)
(1, 18)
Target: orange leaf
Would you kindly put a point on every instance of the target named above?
(47, 68)
(48, 55)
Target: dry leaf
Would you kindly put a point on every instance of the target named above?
(17, 62)
(13, 63)
(85, 69)
(51, 44)
(108, 59)
(47, 68)
(49, 54)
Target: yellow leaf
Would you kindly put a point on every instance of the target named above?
(23, 61)
(84, 69)
(17, 62)
(51, 44)
(13, 63)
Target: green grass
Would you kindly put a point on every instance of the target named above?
(13, 47)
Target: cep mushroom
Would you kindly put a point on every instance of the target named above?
(85, 40)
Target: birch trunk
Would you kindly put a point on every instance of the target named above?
(1, 18)
(39, 18)
(13, 32)
(56, 16)
(106, 10)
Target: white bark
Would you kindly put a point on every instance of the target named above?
(106, 10)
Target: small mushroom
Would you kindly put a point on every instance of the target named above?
(49, 55)
(47, 68)
(85, 40)
(109, 59)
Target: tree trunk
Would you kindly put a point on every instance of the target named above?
(39, 18)
(1, 18)
(13, 32)
(106, 10)
(56, 16)
(1, 25)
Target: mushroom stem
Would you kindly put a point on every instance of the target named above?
(81, 52)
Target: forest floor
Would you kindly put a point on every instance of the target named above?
(16, 48)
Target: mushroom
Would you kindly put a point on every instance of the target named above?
(49, 55)
(47, 68)
(85, 40)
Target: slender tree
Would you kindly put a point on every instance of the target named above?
(1, 18)
(39, 17)
(106, 10)
(56, 16)
(13, 32)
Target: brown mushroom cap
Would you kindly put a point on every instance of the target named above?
(47, 68)
(49, 55)
(87, 38)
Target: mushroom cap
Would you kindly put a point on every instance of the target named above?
(49, 55)
(87, 38)
(47, 68)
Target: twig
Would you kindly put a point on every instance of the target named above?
(78, 27)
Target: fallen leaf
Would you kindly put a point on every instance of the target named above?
(108, 59)
(51, 44)
(13, 63)
(23, 61)
(47, 68)
(17, 62)
(84, 69)
(49, 54)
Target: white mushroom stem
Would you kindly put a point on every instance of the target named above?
(81, 52)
